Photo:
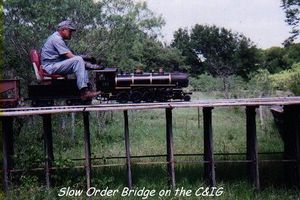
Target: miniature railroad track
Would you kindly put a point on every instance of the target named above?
(138, 106)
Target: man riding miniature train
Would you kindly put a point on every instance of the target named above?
(57, 58)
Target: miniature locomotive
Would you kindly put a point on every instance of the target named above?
(114, 86)
(121, 87)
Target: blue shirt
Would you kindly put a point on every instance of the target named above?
(54, 50)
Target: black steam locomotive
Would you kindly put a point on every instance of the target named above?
(139, 86)
(120, 87)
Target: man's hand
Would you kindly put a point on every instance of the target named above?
(69, 54)
(90, 66)
(89, 59)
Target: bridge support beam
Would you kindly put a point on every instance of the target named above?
(291, 137)
(8, 150)
(127, 148)
(87, 148)
(209, 165)
(252, 151)
(48, 147)
(170, 148)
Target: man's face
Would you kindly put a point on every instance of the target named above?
(66, 34)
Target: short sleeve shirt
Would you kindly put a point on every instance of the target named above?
(54, 50)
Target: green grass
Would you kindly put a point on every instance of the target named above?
(147, 137)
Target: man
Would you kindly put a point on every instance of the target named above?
(57, 58)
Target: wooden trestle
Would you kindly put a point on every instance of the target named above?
(290, 104)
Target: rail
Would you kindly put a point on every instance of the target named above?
(282, 101)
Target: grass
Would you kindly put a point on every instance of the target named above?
(147, 137)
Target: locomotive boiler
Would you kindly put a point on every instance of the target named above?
(139, 86)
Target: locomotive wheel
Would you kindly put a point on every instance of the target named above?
(136, 97)
(187, 98)
(42, 103)
(148, 97)
(34, 103)
(71, 102)
(122, 97)
(86, 102)
(161, 96)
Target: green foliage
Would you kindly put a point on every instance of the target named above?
(1, 40)
(260, 84)
(218, 51)
(287, 79)
(205, 83)
(277, 59)
(274, 59)
(292, 54)
(292, 13)
(182, 42)
(237, 87)
(28, 182)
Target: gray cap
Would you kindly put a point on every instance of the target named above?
(66, 24)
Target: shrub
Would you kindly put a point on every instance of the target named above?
(259, 84)
(287, 79)
(205, 83)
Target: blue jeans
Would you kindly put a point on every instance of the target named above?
(69, 66)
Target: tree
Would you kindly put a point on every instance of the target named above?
(1, 38)
(292, 13)
(277, 59)
(126, 28)
(292, 54)
(182, 42)
(217, 50)
(274, 59)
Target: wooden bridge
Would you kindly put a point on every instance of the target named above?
(291, 119)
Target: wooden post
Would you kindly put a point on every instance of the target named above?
(48, 147)
(291, 138)
(87, 148)
(8, 151)
(127, 147)
(297, 134)
(198, 109)
(170, 149)
(209, 168)
(252, 152)
(73, 126)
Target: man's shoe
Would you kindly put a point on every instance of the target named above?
(87, 95)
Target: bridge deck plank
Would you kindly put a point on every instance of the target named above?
(115, 107)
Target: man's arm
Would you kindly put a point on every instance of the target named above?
(69, 54)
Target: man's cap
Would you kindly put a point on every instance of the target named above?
(66, 24)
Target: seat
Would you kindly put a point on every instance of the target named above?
(40, 73)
